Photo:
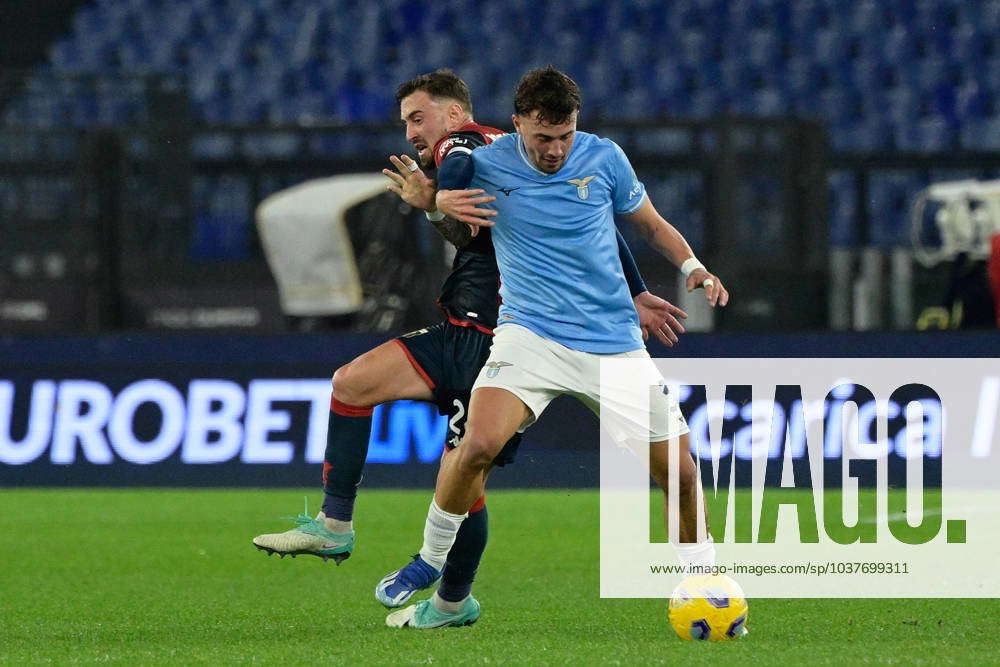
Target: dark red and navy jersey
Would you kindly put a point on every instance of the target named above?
(471, 293)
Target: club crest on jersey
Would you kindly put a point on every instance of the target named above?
(582, 186)
(494, 368)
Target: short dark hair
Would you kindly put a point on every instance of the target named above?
(442, 83)
(548, 91)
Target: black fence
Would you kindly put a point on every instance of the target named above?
(103, 224)
(96, 216)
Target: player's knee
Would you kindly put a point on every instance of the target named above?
(478, 451)
(349, 387)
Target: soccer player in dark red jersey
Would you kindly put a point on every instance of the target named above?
(437, 364)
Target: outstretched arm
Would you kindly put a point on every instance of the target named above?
(416, 189)
(666, 240)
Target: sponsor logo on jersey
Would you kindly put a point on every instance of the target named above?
(507, 191)
(494, 368)
(635, 186)
(582, 186)
(446, 146)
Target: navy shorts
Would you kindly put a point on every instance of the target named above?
(448, 357)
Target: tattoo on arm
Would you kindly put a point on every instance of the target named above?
(454, 232)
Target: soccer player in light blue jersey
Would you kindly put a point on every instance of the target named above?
(549, 193)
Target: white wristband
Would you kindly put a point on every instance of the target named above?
(436, 216)
(689, 265)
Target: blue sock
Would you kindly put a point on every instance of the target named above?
(336, 507)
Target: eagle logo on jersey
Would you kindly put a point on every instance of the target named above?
(582, 186)
(495, 367)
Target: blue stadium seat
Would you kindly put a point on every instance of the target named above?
(972, 102)
(901, 106)
(930, 133)
(921, 75)
(896, 46)
(707, 102)
(865, 18)
(768, 102)
(64, 55)
(763, 48)
(692, 47)
(980, 134)
(829, 46)
(870, 76)
(801, 78)
(969, 44)
(930, 73)
(807, 16)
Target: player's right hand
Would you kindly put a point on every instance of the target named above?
(410, 183)
(715, 292)
(463, 205)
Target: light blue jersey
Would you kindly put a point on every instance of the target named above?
(560, 273)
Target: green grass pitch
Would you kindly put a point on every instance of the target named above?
(170, 577)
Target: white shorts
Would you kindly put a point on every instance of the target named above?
(537, 370)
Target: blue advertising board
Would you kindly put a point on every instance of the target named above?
(252, 411)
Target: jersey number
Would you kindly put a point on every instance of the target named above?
(453, 423)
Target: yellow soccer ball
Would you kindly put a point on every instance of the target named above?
(708, 607)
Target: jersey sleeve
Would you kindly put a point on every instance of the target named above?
(456, 172)
(628, 191)
(636, 285)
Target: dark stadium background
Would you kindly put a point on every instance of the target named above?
(787, 140)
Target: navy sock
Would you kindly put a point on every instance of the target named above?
(463, 559)
(343, 463)
(339, 508)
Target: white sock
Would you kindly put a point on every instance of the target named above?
(701, 554)
(446, 607)
(335, 525)
(439, 535)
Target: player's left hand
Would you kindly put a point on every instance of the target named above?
(411, 183)
(715, 292)
(463, 205)
(659, 317)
